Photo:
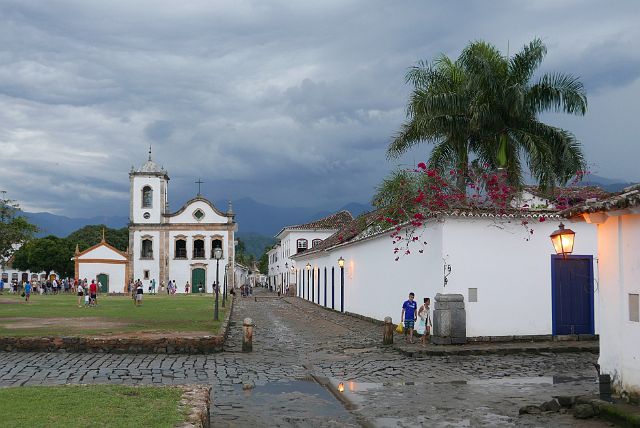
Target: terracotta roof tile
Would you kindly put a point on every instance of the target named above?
(333, 221)
(628, 198)
(569, 196)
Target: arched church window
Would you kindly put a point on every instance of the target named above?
(315, 242)
(147, 197)
(147, 249)
(216, 243)
(302, 245)
(181, 249)
(198, 248)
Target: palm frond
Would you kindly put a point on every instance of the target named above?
(558, 92)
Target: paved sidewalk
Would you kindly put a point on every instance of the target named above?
(502, 348)
(295, 342)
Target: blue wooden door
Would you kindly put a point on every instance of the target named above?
(572, 294)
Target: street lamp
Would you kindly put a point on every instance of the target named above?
(562, 240)
(224, 288)
(217, 254)
(341, 264)
(308, 269)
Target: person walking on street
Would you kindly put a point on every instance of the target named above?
(139, 292)
(409, 309)
(80, 294)
(425, 318)
(93, 293)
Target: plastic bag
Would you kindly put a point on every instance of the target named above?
(422, 326)
(400, 329)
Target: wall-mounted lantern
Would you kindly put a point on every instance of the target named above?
(562, 240)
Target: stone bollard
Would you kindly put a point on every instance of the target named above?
(449, 320)
(387, 335)
(247, 335)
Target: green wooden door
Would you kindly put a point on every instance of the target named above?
(198, 280)
(103, 279)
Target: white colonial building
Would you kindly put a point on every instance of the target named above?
(292, 240)
(104, 263)
(177, 246)
(511, 280)
(618, 223)
(163, 246)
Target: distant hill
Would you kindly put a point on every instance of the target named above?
(608, 184)
(61, 226)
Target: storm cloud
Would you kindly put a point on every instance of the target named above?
(290, 103)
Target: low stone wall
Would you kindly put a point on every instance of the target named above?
(198, 399)
(120, 345)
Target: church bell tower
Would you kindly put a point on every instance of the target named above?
(148, 193)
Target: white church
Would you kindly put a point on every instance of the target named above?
(179, 246)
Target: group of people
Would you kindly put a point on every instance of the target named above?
(411, 313)
(87, 292)
(50, 286)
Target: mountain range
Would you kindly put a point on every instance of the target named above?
(257, 222)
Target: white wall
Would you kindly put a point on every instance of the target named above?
(375, 284)
(116, 273)
(140, 265)
(512, 275)
(619, 254)
(210, 216)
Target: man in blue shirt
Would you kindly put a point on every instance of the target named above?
(409, 314)
(1, 286)
(27, 291)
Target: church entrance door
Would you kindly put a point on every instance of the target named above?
(198, 280)
(103, 279)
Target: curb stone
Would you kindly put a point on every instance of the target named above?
(198, 399)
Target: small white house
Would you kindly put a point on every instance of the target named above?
(511, 279)
(104, 263)
(618, 224)
(297, 239)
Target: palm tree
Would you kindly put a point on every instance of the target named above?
(484, 104)
(438, 113)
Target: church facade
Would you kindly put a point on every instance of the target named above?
(178, 246)
(163, 245)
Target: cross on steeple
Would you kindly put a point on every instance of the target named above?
(149, 152)
(199, 182)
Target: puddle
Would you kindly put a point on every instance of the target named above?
(308, 398)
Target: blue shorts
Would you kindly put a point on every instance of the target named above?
(409, 324)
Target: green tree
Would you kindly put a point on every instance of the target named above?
(48, 254)
(91, 235)
(486, 104)
(263, 263)
(14, 229)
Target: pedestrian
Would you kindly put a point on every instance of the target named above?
(1, 286)
(162, 286)
(425, 321)
(93, 293)
(186, 287)
(139, 292)
(153, 286)
(409, 309)
(27, 291)
(278, 290)
(80, 294)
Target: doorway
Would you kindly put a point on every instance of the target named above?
(572, 294)
(198, 281)
(103, 279)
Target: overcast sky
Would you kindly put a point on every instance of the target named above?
(287, 102)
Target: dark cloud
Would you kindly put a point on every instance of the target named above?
(290, 103)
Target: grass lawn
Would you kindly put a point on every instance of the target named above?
(60, 316)
(90, 405)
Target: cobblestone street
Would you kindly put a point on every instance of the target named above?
(297, 345)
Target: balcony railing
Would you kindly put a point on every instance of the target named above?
(198, 253)
(181, 253)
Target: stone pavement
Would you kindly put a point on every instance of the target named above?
(297, 343)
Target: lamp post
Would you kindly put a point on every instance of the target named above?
(217, 254)
(293, 272)
(286, 276)
(308, 269)
(224, 288)
(562, 240)
(341, 264)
